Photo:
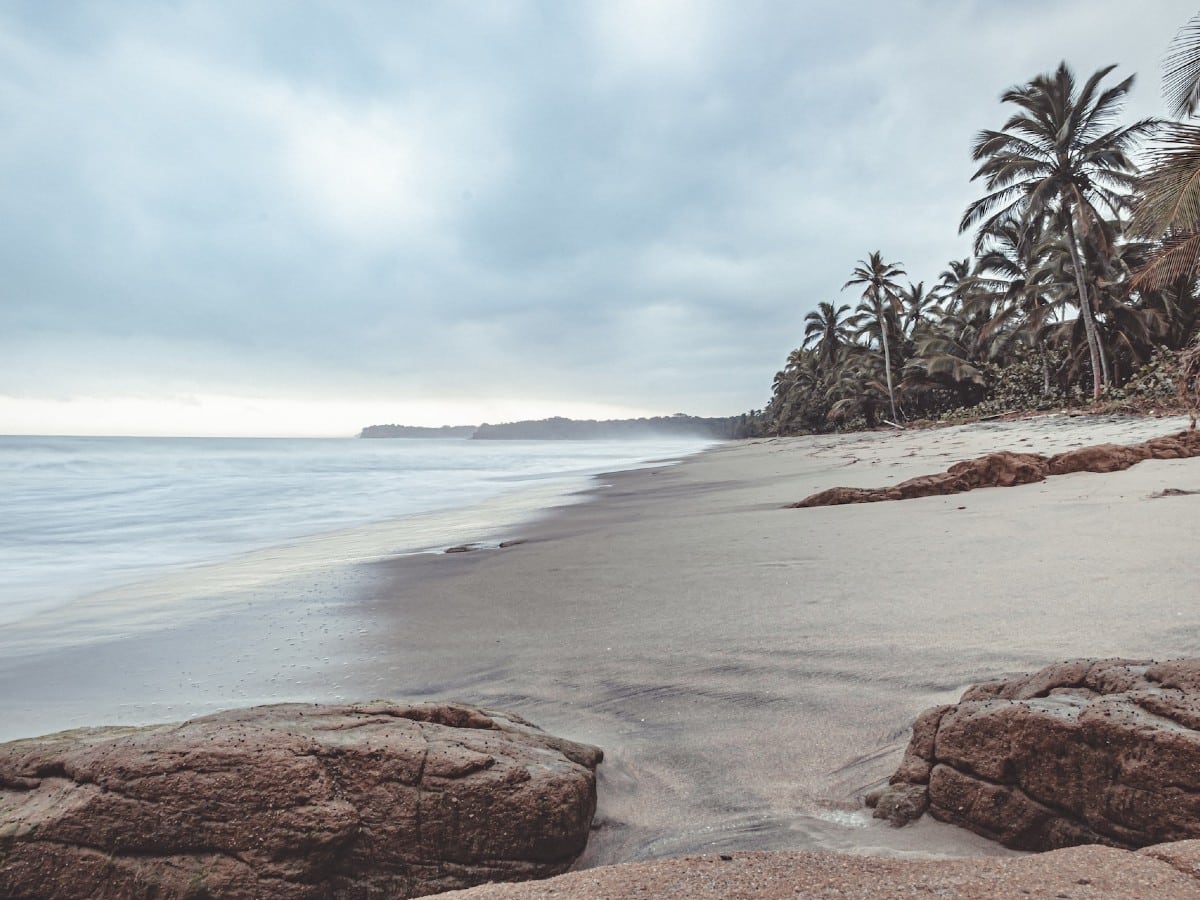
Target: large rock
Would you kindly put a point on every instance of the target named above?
(1080, 752)
(293, 801)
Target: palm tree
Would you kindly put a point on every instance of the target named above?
(880, 294)
(799, 393)
(1132, 330)
(826, 331)
(1061, 157)
(953, 282)
(916, 304)
(855, 389)
(1012, 291)
(1169, 208)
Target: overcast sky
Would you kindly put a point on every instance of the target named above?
(305, 217)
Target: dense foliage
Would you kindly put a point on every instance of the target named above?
(1083, 285)
(560, 429)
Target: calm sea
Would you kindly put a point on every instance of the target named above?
(89, 523)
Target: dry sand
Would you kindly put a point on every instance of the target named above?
(751, 670)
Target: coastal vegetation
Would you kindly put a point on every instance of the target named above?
(1082, 289)
(562, 429)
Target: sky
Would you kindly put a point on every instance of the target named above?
(293, 217)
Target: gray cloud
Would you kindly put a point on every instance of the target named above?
(623, 203)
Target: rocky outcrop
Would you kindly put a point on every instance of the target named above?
(1008, 469)
(293, 801)
(1085, 751)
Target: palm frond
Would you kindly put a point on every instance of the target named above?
(986, 207)
(1178, 256)
(1181, 78)
(1171, 187)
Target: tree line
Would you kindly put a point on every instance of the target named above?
(1082, 285)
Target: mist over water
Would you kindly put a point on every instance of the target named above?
(85, 516)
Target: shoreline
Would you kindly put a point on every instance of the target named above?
(277, 623)
(751, 670)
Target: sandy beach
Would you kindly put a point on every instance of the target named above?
(749, 670)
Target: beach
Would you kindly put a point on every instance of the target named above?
(750, 670)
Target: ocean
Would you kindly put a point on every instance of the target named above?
(104, 536)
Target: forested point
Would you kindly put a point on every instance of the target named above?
(561, 429)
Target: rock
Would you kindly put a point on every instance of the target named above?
(1172, 492)
(993, 470)
(1006, 469)
(901, 803)
(1002, 469)
(1100, 458)
(1085, 751)
(293, 801)
(839, 496)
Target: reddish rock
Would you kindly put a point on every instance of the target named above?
(928, 486)
(1175, 446)
(1100, 458)
(1084, 751)
(1006, 469)
(1002, 469)
(293, 801)
(839, 496)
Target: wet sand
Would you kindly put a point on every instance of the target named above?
(751, 670)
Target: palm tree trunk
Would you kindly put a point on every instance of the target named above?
(1045, 369)
(887, 361)
(1085, 308)
(1105, 366)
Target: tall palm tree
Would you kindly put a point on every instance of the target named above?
(880, 294)
(826, 331)
(1061, 156)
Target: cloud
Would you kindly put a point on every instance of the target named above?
(623, 204)
(653, 39)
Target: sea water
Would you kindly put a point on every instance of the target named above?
(103, 534)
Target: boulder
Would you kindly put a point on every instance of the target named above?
(1084, 751)
(293, 801)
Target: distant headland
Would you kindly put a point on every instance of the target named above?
(560, 429)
